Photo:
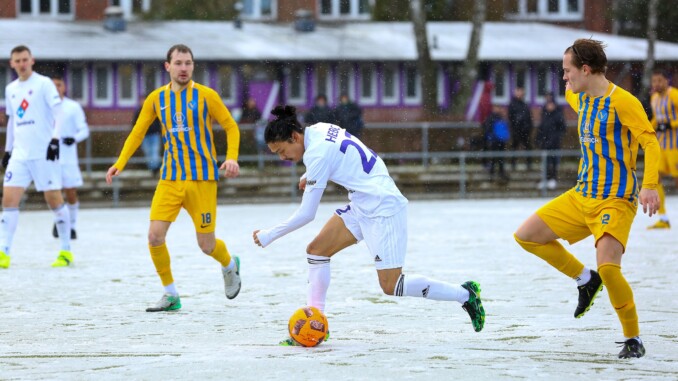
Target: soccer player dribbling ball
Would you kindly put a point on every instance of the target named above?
(376, 213)
(189, 173)
(612, 124)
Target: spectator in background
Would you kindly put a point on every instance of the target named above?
(349, 115)
(550, 137)
(496, 132)
(320, 112)
(250, 112)
(520, 120)
(152, 142)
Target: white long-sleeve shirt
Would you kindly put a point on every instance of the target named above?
(74, 125)
(332, 154)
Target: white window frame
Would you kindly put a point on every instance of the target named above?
(541, 98)
(390, 101)
(544, 14)
(411, 100)
(257, 11)
(373, 84)
(440, 88)
(108, 101)
(85, 90)
(8, 79)
(336, 15)
(127, 102)
(53, 10)
(350, 75)
(503, 100)
(528, 81)
(229, 99)
(301, 99)
(328, 81)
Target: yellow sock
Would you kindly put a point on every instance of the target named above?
(161, 260)
(621, 297)
(220, 253)
(555, 255)
(662, 199)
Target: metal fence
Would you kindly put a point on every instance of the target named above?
(424, 156)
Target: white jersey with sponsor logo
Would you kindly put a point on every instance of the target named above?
(29, 104)
(332, 154)
(74, 126)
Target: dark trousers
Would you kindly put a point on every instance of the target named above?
(520, 137)
(552, 162)
(497, 162)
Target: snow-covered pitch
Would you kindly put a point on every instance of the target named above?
(88, 321)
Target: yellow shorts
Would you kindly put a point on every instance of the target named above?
(199, 198)
(668, 162)
(574, 217)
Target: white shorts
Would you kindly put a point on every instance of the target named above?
(386, 237)
(71, 177)
(46, 174)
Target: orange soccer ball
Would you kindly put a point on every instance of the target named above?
(308, 326)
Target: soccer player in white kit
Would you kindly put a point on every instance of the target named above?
(74, 130)
(31, 154)
(376, 213)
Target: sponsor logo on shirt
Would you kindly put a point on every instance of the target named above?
(311, 183)
(587, 137)
(22, 108)
(193, 105)
(179, 120)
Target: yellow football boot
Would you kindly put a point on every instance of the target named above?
(660, 225)
(4, 260)
(64, 259)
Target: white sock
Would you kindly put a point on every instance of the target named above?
(423, 287)
(231, 265)
(171, 289)
(73, 210)
(62, 219)
(318, 280)
(663, 217)
(584, 277)
(10, 218)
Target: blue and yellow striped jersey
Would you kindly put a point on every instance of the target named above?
(664, 111)
(610, 129)
(186, 119)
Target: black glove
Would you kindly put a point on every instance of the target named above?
(53, 150)
(663, 126)
(68, 141)
(5, 159)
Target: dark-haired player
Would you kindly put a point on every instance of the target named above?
(376, 213)
(612, 124)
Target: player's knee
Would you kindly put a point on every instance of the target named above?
(313, 248)
(387, 286)
(207, 247)
(155, 239)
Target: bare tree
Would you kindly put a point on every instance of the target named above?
(426, 66)
(651, 39)
(469, 70)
